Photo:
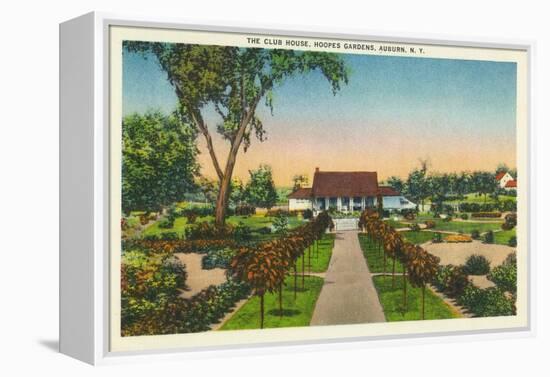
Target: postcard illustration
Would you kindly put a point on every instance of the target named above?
(285, 182)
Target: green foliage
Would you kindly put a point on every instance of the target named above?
(217, 258)
(260, 190)
(475, 234)
(280, 224)
(477, 265)
(242, 233)
(464, 216)
(490, 302)
(505, 275)
(451, 280)
(489, 237)
(438, 238)
(166, 223)
(158, 161)
(308, 214)
(513, 241)
(150, 286)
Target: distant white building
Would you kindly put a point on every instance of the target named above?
(346, 192)
(506, 181)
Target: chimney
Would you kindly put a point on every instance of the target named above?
(316, 170)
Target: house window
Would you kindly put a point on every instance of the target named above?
(345, 204)
(357, 204)
(321, 204)
(369, 202)
(333, 203)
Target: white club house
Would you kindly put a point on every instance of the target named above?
(346, 192)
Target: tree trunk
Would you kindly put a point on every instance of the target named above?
(281, 299)
(303, 270)
(262, 311)
(223, 195)
(393, 273)
(404, 291)
(423, 297)
(295, 280)
(309, 258)
(385, 261)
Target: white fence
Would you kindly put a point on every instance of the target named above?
(346, 224)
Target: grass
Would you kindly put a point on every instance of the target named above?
(375, 256)
(396, 224)
(503, 236)
(320, 260)
(418, 237)
(480, 199)
(179, 226)
(466, 227)
(295, 313)
(392, 302)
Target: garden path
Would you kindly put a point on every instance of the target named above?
(348, 294)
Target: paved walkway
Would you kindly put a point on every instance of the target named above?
(348, 294)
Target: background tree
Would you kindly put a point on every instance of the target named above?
(260, 190)
(158, 161)
(418, 186)
(396, 183)
(484, 183)
(208, 189)
(238, 193)
(299, 181)
(233, 81)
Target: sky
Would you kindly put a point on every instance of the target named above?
(460, 115)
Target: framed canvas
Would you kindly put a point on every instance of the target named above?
(227, 187)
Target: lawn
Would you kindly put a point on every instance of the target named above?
(480, 199)
(179, 226)
(466, 226)
(503, 236)
(396, 224)
(392, 302)
(321, 258)
(295, 313)
(418, 237)
(375, 256)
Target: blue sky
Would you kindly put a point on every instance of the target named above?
(409, 107)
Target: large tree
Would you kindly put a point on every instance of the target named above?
(158, 161)
(233, 81)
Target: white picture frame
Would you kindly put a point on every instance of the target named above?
(85, 195)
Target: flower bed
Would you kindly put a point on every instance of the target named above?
(487, 214)
(457, 238)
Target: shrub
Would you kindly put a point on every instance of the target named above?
(438, 238)
(489, 237)
(505, 275)
(166, 223)
(510, 221)
(475, 234)
(151, 237)
(414, 227)
(457, 238)
(487, 214)
(513, 241)
(217, 258)
(464, 216)
(169, 236)
(280, 224)
(451, 280)
(245, 210)
(242, 233)
(264, 230)
(191, 217)
(477, 265)
(490, 302)
(207, 231)
(408, 214)
(307, 214)
(430, 224)
(447, 218)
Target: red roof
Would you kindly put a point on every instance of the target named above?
(344, 184)
(301, 193)
(388, 191)
(511, 184)
(500, 175)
